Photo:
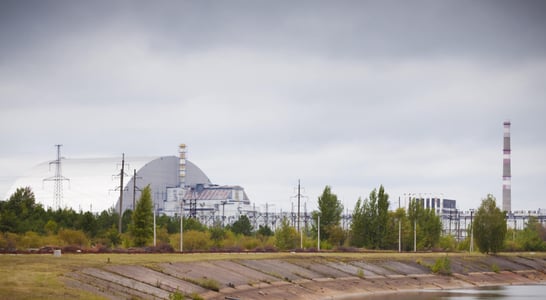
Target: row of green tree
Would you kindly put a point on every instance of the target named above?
(374, 226)
(26, 224)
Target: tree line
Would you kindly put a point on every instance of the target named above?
(25, 224)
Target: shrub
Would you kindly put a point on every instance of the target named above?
(217, 235)
(448, 243)
(442, 266)
(30, 239)
(162, 235)
(195, 240)
(360, 273)
(250, 243)
(112, 236)
(206, 283)
(196, 296)
(309, 242)
(73, 237)
(495, 268)
(286, 236)
(8, 241)
(231, 241)
(325, 245)
(177, 295)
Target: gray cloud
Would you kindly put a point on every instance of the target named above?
(353, 94)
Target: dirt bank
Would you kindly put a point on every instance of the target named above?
(306, 276)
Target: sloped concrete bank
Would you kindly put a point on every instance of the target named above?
(306, 276)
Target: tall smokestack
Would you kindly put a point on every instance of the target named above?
(182, 165)
(506, 171)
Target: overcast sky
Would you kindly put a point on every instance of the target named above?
(352, 94)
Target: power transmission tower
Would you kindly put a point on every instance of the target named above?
(58, 179)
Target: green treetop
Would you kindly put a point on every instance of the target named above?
(489, 226)
(330, 209)
(141, 228)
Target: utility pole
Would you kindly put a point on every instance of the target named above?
(299, 196)
(135, 188)
(121, 191)
(415, 209)
(58, 179)
(155, 234)
(399, 229)
(267, 214)
(471, 232)
(318, 232)
(181, 225)
(415, 235)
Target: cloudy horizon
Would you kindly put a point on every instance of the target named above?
(351, 94)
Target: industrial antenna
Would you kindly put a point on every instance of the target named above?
(58, 179)
(506, 171)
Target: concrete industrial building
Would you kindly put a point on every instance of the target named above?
(94, 184)
(440, 205)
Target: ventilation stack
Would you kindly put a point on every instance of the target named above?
(506, 171)
(182, 165)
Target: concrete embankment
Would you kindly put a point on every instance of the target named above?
(308, 276)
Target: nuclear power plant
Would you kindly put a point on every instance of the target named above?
(95, 184)
(180, 187)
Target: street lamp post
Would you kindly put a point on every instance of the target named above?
(154, 227)
(318, 232)
(415, 210)
(399, 228)
(181, 225)
(415, 234)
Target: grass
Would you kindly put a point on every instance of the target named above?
(495, 268)
(442, 266)
(360, 273)
(25, 276)
(42, 274)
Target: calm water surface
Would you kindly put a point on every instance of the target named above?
(520, 292)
